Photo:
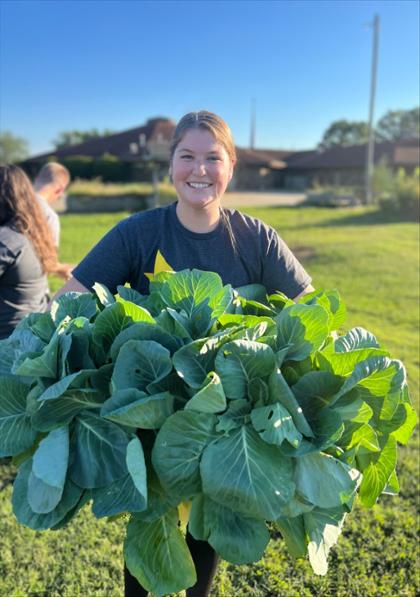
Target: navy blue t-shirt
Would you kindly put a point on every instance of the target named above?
(155, 240)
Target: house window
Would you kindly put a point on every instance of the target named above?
(134, 148)
(142, 140)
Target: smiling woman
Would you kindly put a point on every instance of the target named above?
(195, 232)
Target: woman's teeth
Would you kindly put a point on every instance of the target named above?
(199, 185)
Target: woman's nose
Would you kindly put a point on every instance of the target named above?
(199, 168)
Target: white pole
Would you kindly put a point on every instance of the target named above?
(371, 140)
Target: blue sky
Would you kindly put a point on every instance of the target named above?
(113, 64)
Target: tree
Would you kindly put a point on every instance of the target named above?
(399, 124)
(344, 132)
(67, 138)
(12, 149)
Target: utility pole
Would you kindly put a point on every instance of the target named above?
(371, 140)
(252, 136)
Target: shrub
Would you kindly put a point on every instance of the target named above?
(110, 168)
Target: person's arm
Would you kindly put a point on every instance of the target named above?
(72, 285)
(306, 290)
(63, 270)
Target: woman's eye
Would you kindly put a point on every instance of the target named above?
(186, 157)
(214, 158)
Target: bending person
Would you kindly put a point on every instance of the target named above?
(50, 185)
(27, 251)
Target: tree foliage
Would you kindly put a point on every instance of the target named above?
(399, 124)
(12, 148)
(395, 125)
(344, 132)
(66, 138)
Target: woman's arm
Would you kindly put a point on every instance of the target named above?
(72, 285)
(306, 290)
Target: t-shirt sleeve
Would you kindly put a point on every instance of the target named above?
(281, 269)
(7, 258)
(109, 262)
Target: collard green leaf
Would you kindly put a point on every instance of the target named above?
(39, 522)
(137, 467)
(258, 392)
(303, 328)
(144, 331)
(324, 481)
(177, 451)
(139, 363)
(73, 304)
(293, 532)
(99, 448)
(242, 472)
(274, 424)
(240, 361)
(195, 360)
(116, 498)
(377, 473)
(314, 391)
(404, 431)
(42, 498)
(16, 431)
(134, 408)
(236, 539)
(323, 528)
(210, 398)
(50, 461)
(236, 415)
(105, 297)
(280, 392)
(354, 339)
(54, 413)
(157, 555)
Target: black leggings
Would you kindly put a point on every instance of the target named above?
(205, 560)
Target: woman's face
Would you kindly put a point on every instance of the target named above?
(201, 169)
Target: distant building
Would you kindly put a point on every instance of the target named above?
(145, 152)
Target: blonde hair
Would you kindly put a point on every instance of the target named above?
(214, 124)
(52, 173)
(19, 207)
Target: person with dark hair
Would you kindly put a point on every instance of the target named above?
(27, 251)
(193, 232)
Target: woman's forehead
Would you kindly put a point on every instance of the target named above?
(199, 140)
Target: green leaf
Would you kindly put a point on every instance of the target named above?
(144, 331)
(99, 448)
(139, 363)
(16, 431)
(236, 539)
(54, 413)
(49, 470)
(40, 522)
(240, 361)
(324, 481)
(258, 392)
(242, 472)
(274, 424)
(73, 304)
(157, 555)
(403, 433)
(137, 409)
(137, 467)
(323, 528)
(105, 297)
(293, 532)
(177, 451)
(354, 339)
(114, 318)
(210, 398)
(378, 472)
(48, 363)
(195, 360)
(235, 416)
(280, 392)
(116, 498)
(303, 328)
(314, 391)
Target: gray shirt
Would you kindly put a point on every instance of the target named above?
(23, 284)
(136, 246)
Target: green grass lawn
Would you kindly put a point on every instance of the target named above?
(373, 262)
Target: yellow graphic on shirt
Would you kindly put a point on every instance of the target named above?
(160, 266)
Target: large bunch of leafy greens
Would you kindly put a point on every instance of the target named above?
(203, 405)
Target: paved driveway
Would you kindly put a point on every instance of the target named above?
(262, 199)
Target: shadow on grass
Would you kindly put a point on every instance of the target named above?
(366, 218)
